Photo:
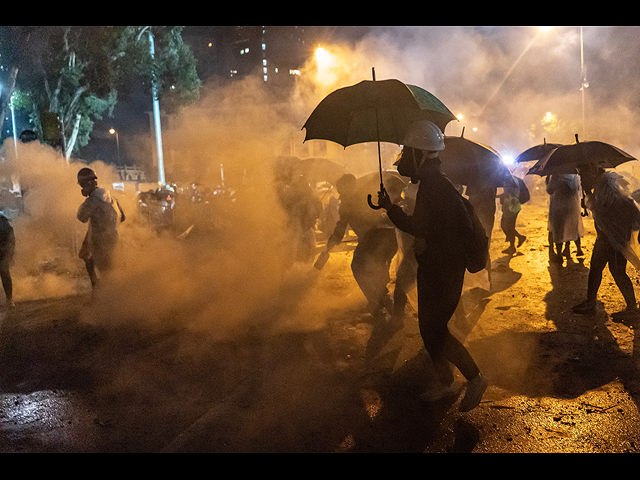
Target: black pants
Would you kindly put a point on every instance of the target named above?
(370, 265)
(508, 225)
(603, 254)
(440, 282)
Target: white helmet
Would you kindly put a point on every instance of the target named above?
(424, 135)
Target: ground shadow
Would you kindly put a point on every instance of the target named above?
(578, 355)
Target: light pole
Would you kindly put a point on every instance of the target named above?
(585, 84)
(113, 131)
(156, 107)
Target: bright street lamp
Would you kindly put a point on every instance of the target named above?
(113, 131)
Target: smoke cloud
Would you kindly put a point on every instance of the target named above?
(503, 80)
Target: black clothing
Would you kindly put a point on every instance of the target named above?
(439, 222)
(377, 246)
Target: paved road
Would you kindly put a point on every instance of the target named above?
(320, 378)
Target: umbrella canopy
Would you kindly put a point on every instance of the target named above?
(374, 111)
(537, 152)
(466, 162)
(566, 158)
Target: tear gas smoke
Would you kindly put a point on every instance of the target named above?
(235, 279)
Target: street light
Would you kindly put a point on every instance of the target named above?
(113, 131)
(156, 107)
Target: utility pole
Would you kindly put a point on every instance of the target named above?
(585, 83)
(156, 108)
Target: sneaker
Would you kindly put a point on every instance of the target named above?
(585, 308)
(475, 389)
(438, 392)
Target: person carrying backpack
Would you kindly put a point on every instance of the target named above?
(442, 225)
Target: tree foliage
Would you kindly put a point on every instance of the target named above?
(75, 72)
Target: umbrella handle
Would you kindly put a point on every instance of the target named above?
(375, 207)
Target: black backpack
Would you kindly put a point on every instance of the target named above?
(476, 248)
(523, 192)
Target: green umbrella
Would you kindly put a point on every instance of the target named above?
(374, 111)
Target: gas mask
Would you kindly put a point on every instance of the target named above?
(409, 163)
(88, 187)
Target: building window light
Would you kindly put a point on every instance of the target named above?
(264, 61)
(265, 78)
(294, 72)
(264, 46)
(264, 69)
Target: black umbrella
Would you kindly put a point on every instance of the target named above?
(567, 158)
(374, 111)
(537, 152)
(466, 162)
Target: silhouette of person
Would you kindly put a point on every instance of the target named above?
(439, 223)
(565, 221)
(376, 248)
(104, 213)
(511, 207)
(303, 209)
(7, 249)
(616, 218)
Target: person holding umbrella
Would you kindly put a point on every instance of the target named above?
(565, 222)
(439, 224)
(616, 218)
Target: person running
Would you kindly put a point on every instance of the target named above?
(616, 218)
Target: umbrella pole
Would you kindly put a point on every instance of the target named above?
(377, 207)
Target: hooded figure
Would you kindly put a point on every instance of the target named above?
(565, 221)
(104, 213)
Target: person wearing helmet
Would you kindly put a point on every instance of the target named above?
(104, 213)
(439, 223)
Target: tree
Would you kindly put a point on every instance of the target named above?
(14, 42)
(75, 73)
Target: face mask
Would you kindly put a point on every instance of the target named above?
(87, 188)
(408, 164)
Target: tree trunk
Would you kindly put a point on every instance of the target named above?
(74, 136)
